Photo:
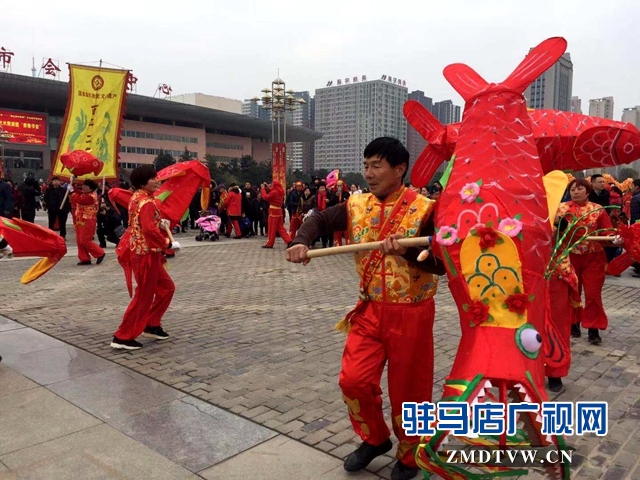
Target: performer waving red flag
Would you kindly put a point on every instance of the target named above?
(155, 288)
(275, 198)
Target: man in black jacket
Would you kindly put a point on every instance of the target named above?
(6, 199)
(53, 196)
(599, 194)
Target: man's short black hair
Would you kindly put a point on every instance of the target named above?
(91, 184)
(595, 176)
(636, 182)
(55, 178)
(141, 175)
(390, 149)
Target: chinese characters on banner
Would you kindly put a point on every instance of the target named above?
(5, 59)
(23, 127)
(50, 67)
(93, 118)
(279, 163)
(132, 83)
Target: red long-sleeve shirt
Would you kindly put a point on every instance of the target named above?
(233, 204)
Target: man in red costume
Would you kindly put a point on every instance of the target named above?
(155, 288)
(275, 223)
(393, 321)
(85, 216)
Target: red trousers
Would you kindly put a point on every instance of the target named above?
(337, 238)
(154, 291)
(591, 269)
(402, 335)
(276, 225)
(236, 228)
(296, 221)
(84, 240)
(562, 315)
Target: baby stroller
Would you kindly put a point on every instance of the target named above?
(209, 227)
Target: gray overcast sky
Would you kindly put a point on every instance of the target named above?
(234, 48)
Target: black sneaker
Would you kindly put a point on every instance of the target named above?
(155, 332)
(575, 330)
(555, 384)
(402, 472)
(364, 455)
(86, 262)
(100, 259)
(125, 344)
(594, 337)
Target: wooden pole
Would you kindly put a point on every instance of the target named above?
(66, 194)
(404, 242)
(361, 247)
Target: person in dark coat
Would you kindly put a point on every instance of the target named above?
(194, 209)
(18, 200)
(30, 190)
(6, 199)
(56, 211)
(108, 223)
(249, 195)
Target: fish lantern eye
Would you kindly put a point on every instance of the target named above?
(529, 341)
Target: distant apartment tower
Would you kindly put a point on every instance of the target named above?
(312, 125)
(552, 89)
(632, 115)
(601, 107)
(299, 153)
(254, 109)
(350, 115)
(446, 112)
(576, 105)
(415, 143)
(209, 101)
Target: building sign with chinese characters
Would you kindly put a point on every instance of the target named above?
(24, 127)
(346, 81)
(50, 67)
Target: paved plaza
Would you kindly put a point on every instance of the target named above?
(252, 342)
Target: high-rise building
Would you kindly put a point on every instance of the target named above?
(351, 115)
(601, 107)
(552, 89)
(312, 125)
(209, 101)
(415, 143)
(632, 115)
(446, 112)
(576, 105)
(299, 154)
(253, 109)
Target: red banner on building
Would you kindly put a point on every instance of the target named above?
(279, 163)
(23, 128)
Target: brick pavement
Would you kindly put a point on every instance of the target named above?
(254, 335)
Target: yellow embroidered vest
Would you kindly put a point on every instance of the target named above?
(139, 245)
(394, 280)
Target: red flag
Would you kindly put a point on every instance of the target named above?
(631, 237)
(120, 196)
(181, 182)
(30, 240)
(80, 162)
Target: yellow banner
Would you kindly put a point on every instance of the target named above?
(93, 118)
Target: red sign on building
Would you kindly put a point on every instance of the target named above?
(23, 127)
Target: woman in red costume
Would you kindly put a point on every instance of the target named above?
(587, 258)
(340, 195)
(232, 203)
(85, 216)
(155, 288)
(275, 224)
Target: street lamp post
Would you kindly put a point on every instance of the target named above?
(278, 101)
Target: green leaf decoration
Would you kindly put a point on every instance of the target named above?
(485, 301)
(517, 289)
(479, 200)
(518, 216)
(454, 226)
(447, 172)
(490, 318)
(479, 182)
(489, 224)
(505, 306)
(473, 232)
(499, 241)
(520, 237)
(471, 324)
(465, 307)
(532, 298)
(457, 240)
